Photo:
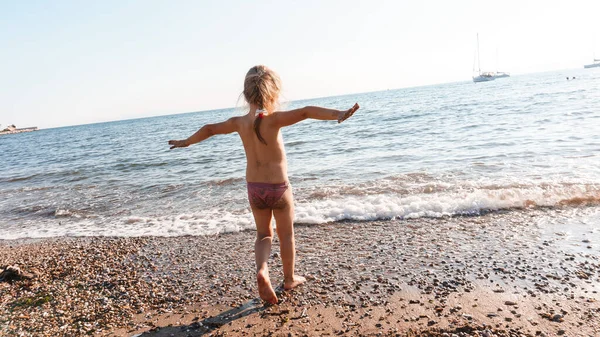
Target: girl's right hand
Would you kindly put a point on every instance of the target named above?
(178, 143)
(347, 114)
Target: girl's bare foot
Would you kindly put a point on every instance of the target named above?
(265, 290)
(293, 283)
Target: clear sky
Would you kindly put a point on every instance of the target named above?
(75, 62)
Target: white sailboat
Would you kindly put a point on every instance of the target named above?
(593, 65)
(596, 61)
(500, 74)
(482, 76)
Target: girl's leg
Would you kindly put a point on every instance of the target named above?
(284, 218)
(262, 251)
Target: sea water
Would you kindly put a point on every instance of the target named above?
(434, 151)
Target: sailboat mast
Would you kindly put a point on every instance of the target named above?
(478, 60)
(496, 60)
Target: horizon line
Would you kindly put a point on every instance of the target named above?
(291, 101)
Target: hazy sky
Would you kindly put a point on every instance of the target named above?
(75, 62)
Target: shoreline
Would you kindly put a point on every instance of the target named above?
(497, 274)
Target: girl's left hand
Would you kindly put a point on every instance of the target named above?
(347, 114)
(178, 143)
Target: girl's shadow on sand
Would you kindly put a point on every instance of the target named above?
(209, 324)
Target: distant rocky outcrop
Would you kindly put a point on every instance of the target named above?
(13, 129)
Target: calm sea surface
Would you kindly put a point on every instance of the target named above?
(434, 151)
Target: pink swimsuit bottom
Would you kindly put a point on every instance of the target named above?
(265, 195)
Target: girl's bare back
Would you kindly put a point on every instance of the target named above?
(265, 163)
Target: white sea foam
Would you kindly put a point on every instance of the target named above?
(374, 207)
(208, 223)
(318, 211)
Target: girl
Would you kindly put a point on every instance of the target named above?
(269, 191)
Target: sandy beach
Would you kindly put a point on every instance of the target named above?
(499, 274)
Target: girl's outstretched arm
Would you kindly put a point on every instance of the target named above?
(206, 131)
(287, 118)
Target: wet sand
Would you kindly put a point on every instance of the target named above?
(499, 274)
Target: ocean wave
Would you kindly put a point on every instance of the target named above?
(581, 201)
(39, 210)
(226, 182)
(17, 179)
(67, 175)
(48, 212)
(127, 167)
(296, 142)
(71, 213)
(353, 205)
(211, 222)
(423, 183)
(436, 205)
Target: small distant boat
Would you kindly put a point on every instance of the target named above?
(593, 65)
(482, 76)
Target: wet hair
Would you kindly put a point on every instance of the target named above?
(261, 88)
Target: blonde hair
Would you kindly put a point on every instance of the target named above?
(262, 87)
